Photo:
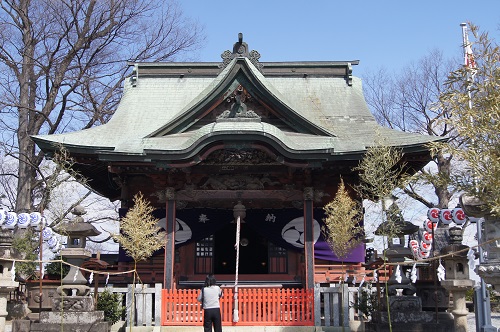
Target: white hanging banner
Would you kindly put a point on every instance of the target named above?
(362, 282)
(471, 257)
(13, 271)
(441, 271)
(398, 274)
(76, 274)
(237, 247)
(413, 275)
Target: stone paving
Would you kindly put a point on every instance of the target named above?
(471, 320)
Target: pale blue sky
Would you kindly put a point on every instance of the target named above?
(384, 33)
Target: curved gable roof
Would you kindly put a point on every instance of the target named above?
(167, 112)
(240, 72)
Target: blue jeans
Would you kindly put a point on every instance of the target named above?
(212, 317)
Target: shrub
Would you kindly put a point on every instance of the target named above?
(366, 303)
(111, 304)
(55, 268)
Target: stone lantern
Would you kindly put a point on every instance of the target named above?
(72, 305)
(457, 277)
(77, 232)
(7, 283)
(488, 269)
(397, 227)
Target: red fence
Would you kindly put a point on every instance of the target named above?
(257, 306)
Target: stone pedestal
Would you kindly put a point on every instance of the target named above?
(489, 270)
(406, 315)
(71, 313)
(5, 288)
(7, 285)
(458, 288)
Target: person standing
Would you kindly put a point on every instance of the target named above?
(209, 297)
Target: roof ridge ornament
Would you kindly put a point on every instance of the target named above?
(240, 49)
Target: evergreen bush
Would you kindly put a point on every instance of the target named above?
(111, 304)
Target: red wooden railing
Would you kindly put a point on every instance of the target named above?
(335, 273)
(257, 306)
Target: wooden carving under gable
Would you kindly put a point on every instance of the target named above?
(238, 157)
(238, 182)
(240, 104)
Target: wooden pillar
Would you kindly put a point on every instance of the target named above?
(170, 239)
(309, 237)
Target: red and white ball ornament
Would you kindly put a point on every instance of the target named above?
(445, 216)
(427, 237)
(425, 247)
(433, 214)
(458, 216)
(428, 225)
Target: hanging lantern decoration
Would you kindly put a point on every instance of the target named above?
(23, 220)
(53, 242)
(425, 254)
(458, 216)
(428, 225)
(414, 245)
(445, 216)
(433, 215)
(10, 221)
(40, 226)
(56, 249)
(3, 216)
(35, 219)
(47, 233)
(427, 237)
(425, 247)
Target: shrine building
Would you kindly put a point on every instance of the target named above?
(206, 142)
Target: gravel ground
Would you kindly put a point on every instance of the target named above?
(471, 321)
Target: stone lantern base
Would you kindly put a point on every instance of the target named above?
(406, 315)
(71, 313)
(490, 272)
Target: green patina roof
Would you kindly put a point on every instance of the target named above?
(157, 112)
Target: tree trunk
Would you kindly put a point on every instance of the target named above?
(27, 88)
(441, 190)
